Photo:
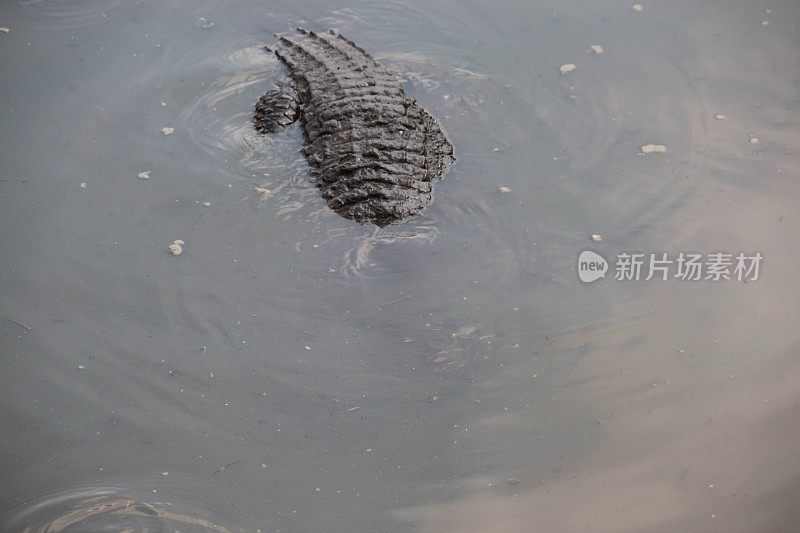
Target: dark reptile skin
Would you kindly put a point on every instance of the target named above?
(373, 151)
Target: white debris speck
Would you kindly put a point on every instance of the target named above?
(206, 204)
(654, 148)
(566, 69)
(765, 23)
(204, 23)
(596, 48)
(176, 248)
(83, 185)
(445, 97)
(167, 130)
(596, 237)
(504, 189)
(721, 117)
(4, 29)
(264, 192)
(464, 331)
(307, 347)
(143, 175)
(637, 7)
(754, 140)
(164, 473)
(81, 367)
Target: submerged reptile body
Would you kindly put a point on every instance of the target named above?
(373, 151)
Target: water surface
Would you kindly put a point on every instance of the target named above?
(295, 371)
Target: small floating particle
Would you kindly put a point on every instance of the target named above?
(163, 104)
(206, 204)
(81, 367)
(204, 23)
(83, 185)
(264, 192)
(145, 175)
(167, 130)
(596, 48)
(654, 148)
(754, 140)
(596, 237)
(5, 30)
(637, 7)
(307, 348)
(504, 189)
(567, 68)
(721, 117)
(464, 331)
(765, 23)
(176, 248)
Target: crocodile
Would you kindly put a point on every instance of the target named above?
(373, 151)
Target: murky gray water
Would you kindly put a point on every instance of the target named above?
(294, 371)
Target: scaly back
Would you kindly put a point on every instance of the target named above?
(373, 150)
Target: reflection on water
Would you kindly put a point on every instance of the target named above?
(103, 510)
(294, 371)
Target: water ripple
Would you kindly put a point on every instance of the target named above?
(102, 509)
